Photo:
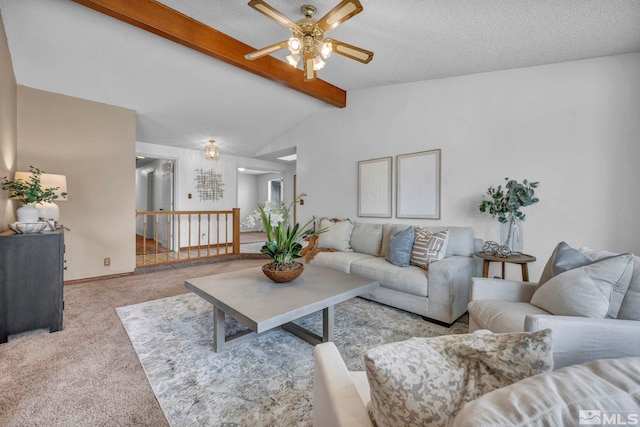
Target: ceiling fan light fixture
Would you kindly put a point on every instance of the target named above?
(307, 36)
(295, 45)
(318, 63)
(293, 59)
(211, 152)
(325, 49)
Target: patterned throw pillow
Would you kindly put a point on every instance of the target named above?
(425, 381)
(428, 247)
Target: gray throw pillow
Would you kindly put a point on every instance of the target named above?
(563, 258)
(400, 245)
(592, 290)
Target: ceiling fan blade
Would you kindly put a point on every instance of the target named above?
(309, 71)
(266, 50)
(350, 51)
(269, 11)
(339, 14)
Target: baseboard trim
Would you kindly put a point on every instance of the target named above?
(93, 279)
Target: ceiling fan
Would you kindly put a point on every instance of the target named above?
(307, 39)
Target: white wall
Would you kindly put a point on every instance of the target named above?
(575, 127)
(8, 129)
(187, 161)
(247, 195)
(93, 144)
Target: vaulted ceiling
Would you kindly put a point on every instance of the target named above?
(183, 98)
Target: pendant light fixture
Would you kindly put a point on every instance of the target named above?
(211, 152)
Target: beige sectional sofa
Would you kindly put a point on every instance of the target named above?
(440, 293)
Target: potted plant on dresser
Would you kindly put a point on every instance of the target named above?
(30, 193)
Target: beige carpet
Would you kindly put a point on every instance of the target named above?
(88, 374)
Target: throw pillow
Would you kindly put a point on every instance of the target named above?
(425, 381)
(400, 244)
(563, 258)
(366, 238)
(337, 236)
(593, 290)
(387, 230)
(630, 308)
(428, 247)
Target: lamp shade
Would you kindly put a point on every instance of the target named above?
(48, 180)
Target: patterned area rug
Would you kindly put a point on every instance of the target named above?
(262, 382)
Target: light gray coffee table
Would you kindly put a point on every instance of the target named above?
(260, 304)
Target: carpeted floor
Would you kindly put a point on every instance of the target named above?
(263, 382)
(88, 374)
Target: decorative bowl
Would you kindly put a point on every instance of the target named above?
(282, 276)
(28, 227)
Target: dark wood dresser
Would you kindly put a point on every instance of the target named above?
(31, 282)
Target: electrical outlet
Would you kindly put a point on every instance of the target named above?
(204, 236)
(107, 262)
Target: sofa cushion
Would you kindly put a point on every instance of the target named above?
(563, 258)
(411, 280)
(337, 236)
(428, 247)
(340, 261)
(366, 238)
(602, 387)
(593, 290)
(425, 381)
(630, 307)
(400, 244)
(501, 316)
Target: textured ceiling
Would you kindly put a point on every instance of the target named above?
(184, 98)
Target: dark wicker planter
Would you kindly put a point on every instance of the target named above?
(282, 276)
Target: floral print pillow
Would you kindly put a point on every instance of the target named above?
(425, 381)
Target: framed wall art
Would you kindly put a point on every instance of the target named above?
(418, 185)
(374, 187)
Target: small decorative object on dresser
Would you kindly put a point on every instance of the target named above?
(29, 188)
(506, 204)
(283, 241)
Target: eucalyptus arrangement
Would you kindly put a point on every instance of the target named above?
(506, 203)
(30, 191)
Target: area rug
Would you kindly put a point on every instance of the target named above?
(266, 381)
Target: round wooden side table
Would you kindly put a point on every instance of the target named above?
(522, 259)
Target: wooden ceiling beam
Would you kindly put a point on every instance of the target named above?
(175, 26)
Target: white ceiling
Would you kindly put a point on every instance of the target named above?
(184, 98)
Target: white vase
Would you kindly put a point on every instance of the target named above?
(511, 234)
(28, 213)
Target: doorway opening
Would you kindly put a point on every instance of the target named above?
(155, 191)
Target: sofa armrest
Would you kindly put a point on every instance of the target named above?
(336, 401)
(582, 339)
(448, 283)
(501, 290)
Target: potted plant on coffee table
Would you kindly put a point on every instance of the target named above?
(283, 241)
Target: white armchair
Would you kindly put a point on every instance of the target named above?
(504, 306)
